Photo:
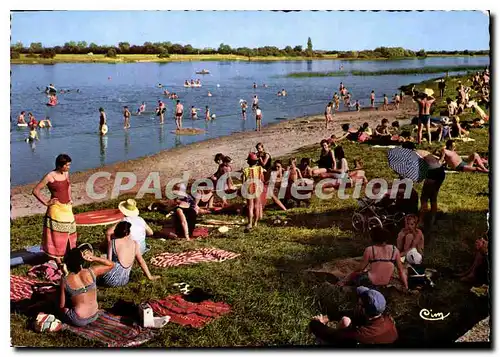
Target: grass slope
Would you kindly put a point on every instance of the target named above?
(271, 295)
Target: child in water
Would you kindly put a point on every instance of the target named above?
(33, 135)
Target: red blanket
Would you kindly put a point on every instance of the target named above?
(21, 288)
(187, 313)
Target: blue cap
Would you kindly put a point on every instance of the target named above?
(373, 301)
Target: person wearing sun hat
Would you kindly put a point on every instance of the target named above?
(139, 229)
(370, 325)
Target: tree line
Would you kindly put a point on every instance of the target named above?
(164, 49)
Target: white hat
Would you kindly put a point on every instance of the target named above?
(129, 208)
(414, 257)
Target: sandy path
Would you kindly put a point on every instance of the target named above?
(278, 139)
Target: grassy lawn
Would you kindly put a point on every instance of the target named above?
(272, 296)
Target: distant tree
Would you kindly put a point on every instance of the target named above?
(111, 53)
(309, 45)
(224, 49)
(421, 53)
(18, 47)
(177, 48)
(163, 52)
(124, 47)
(93, 46)
(14, 54)
(36, 47)
(48, 53)
(297, 49)
(82, 44)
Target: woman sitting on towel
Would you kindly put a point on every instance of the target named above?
(78, 288)
(124, 251)
(379, 261)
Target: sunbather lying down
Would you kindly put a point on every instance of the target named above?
(455, 161)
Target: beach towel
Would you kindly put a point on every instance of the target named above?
(198, 232)
(46, 271)
(383, 146)
(187, 313)
(110, 331)
(166, 260)
(464, 139)
(21, 288)
(28, 255)
(340, 268)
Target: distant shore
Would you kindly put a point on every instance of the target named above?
(85, 58)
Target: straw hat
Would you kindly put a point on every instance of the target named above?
(429, 92)
(129, 208)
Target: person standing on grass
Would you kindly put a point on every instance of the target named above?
(328, 114)
(424, 114)
(126, 118)
(253, 179)
(372, 99)
(258, 118)
(442, 87)
(179, 109)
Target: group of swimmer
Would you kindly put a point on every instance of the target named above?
(193, 83)
(33, 124)
(345, 95)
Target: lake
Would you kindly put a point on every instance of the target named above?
(75, 119)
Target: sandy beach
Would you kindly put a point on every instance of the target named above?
(279, 138)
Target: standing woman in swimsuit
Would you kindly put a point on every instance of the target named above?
(381, 258)
(102, 119)
(124, 251)
(79, 287)
(328, 114)
(179, 109)
(59, 227)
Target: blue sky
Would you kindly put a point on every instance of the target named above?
(430, 30)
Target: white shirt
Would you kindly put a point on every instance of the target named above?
(138, 229)
(258, 112)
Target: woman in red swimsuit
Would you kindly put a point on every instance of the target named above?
(59, 227)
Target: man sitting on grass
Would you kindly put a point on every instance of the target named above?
(369, 325)
(452, 159)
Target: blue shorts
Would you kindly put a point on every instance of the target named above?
(461, 166)
(424, 118)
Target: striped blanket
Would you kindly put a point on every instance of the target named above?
(187, 313)
(21, 288)
(166, 260)
(110, 331)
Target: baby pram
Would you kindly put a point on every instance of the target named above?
(375, 213)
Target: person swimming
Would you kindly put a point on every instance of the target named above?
(186, 83)
(20, 118)
(209, 94)
(142, 108)
(45, 123)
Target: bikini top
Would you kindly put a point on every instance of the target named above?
(74, 292)
(375, 260)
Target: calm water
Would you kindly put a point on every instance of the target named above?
(75, 120)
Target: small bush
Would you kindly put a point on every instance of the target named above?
(15, 55)
(111, 53)
(164, 55)
(48, 53)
